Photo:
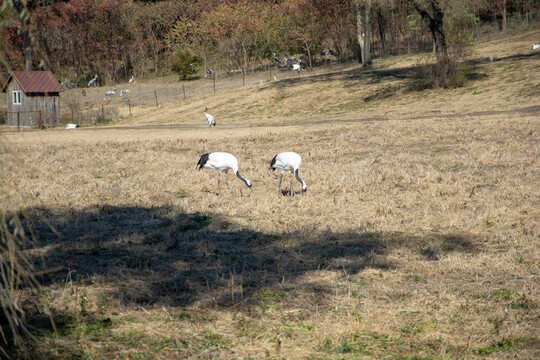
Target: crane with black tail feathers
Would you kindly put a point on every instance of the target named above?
(286, 161)
(222, 161)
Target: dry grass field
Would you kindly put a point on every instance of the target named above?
(418, 237)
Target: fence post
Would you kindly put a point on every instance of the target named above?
(129, 105)
(18, 122)
(183, 90)
(102, 113)
(167, 94)
(155, 98)
(140, 103)
(97, 94)
(243, 76)
(214, 82)
(41, 119)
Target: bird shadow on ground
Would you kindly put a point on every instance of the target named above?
(163, 256)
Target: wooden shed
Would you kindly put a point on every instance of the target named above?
(33, 99)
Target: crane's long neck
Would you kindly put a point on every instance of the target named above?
(298, 178)
(246, 181)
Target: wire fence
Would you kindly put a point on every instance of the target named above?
(27, 119)
(96, 105)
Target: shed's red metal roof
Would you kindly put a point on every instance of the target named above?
(37, 81)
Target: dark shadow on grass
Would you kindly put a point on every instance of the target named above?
(513, 57)
(408, 75)
(163, 256)
(351, 75)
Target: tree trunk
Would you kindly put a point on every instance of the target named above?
(435, 25)
(382, 31)
(363, 30)
(366, 54)
(28, 58)
(359, 37)
(24, 17)
(504, 16)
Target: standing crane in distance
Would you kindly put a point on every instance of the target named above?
(108, 95)
(93, 81)
(222, 161)
(209, 118)
(286, 161)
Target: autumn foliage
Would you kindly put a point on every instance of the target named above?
(118, 38)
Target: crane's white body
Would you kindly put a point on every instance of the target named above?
(535, 46)
(72, 126)
(124, 92)
(93, 81)
(222, 161)
(296, 67)
(67, 84)
(209, 118)
(108, 95)
(132, 79)
(288, 161)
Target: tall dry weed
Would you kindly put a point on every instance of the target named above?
(19, 280)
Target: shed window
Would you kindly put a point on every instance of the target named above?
(17, 100)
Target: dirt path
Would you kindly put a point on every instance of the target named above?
(436, 115)
(439, 115)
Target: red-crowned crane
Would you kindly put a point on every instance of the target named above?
(222, 161)
(286, 161)
(93, 82)
(209, 118)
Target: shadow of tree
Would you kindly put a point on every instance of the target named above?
(161, 255)
(513, 57)
(408, 75)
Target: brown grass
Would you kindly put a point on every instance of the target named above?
(418, 237)
(348, 92)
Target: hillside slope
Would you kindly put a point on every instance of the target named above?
(384, 91)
